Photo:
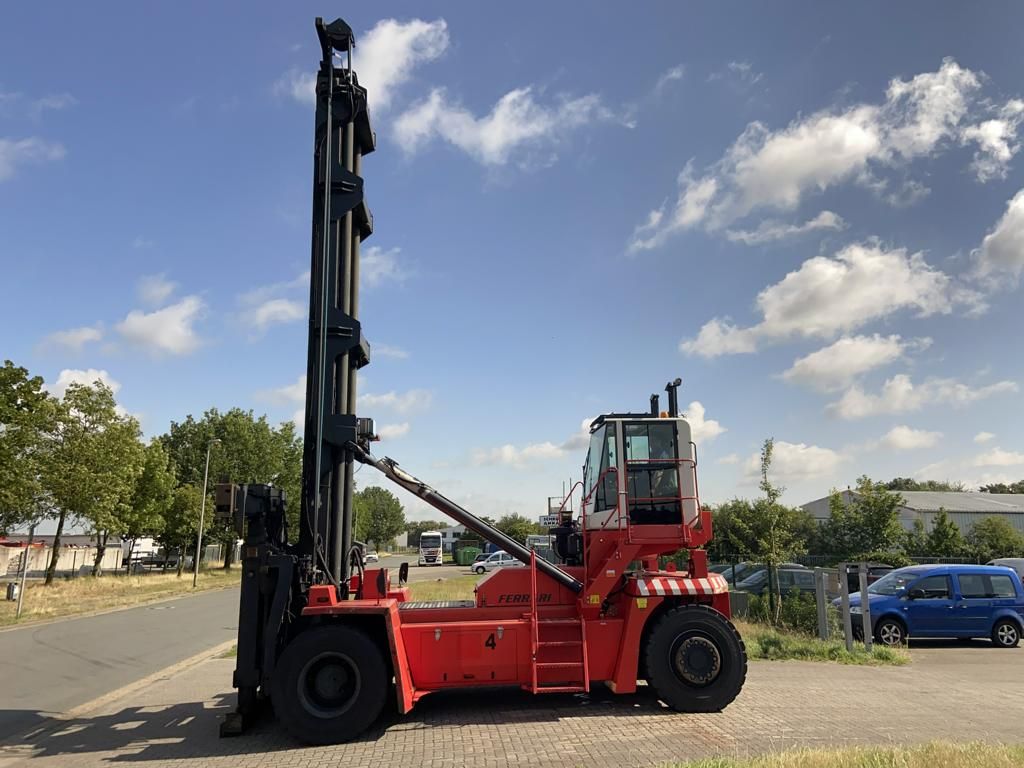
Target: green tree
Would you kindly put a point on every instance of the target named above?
(866, 522)
(1017, 487)
(28, 421)
(915, 540)
(516, 527)
(945, 539)
(95, 463)
(909, 484)
(250, 451)
(379, 516)
(993, 537)
(152, 497)
(181, 522)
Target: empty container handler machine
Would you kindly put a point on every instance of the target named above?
(328, 641)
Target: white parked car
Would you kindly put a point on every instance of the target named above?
(370, 557)
(1017, 563)
(499, 559)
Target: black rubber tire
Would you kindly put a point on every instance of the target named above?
(480, 571)
(1006, 639)
(679, 625)
(360, 710)
(884, 637)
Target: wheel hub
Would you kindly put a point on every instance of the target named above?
(697, 660)
(328, 685)
(1007, 634)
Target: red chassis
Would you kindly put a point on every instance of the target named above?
(525, 629)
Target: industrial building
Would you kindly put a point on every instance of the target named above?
(964, 508)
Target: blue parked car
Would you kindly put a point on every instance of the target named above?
(961, 601)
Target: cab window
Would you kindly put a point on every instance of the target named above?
(652, 469)
(602, 455)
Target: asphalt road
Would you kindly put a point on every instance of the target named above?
(51, 668)
(420, 573)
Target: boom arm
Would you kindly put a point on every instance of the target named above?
(389, 467)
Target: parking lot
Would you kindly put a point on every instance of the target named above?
(951, 690)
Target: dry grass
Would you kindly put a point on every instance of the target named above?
(455, 588)
(934, 755)
(780, 645)
(85, 594)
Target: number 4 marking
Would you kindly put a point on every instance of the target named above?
(490, 642)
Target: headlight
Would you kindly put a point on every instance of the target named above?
(854, 609)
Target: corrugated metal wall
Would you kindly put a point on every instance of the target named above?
(966, 520)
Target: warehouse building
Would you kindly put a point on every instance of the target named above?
(964, 508)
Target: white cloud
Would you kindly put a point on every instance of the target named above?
(740, 72)
(830, 295)
(517, 123)
(377, 266)
(701, 429)
(400, 402)
(776, 170)
(997, 457)
(904, 438)
(387, 55)
(1001, 253)
(289, 393)
(771, 229)
(74, 339)
(275, 312)
(983, 437)
(384, 59)
(518, 457)
(997, 141)
(54, 102)
(393, 431)
(900, 395)
(87, 377)
(167, 330)
(141, 242)
(15, 152)
(386, 350)
(796, 462)
(154, 290)
(839, 364)
(732, 458)
(670, 75)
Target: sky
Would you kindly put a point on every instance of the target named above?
(812, 213)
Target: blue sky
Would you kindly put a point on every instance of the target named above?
(809, 215)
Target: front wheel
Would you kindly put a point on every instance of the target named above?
(695, 659)
(480, 570)
(891, 632)
(329, 685)
(1006, 634)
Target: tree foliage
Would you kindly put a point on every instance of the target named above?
(517, 527)
(1017, 487)
(95, 463)
(379, 516)
(945, 539)
(909, 484)
(865, 521)
(993, 537)
(151, 498)
(181, 521)
(27, 425)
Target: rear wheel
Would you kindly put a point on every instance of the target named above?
(1006, 633)
(891, 632)
(480, 569)
(329, 685)
(695, 659)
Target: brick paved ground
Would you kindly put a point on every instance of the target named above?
(949, 692)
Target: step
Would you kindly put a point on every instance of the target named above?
(558, 622)
(559, 665)
(560, 643)
(560, 689)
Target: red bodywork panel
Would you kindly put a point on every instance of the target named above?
(492, 641)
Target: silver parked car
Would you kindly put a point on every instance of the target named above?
(1017, 563)
(499, 559)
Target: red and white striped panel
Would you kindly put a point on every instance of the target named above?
(713, 584)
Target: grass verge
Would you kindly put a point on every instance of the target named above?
(455, 588)
(86, 594)
(779, 645)
(934, 755)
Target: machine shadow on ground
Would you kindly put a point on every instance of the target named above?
(189, 730)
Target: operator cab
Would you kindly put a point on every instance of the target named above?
(640, 470)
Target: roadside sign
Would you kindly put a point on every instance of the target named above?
(548, 521)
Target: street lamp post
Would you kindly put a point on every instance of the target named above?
(202, 517)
